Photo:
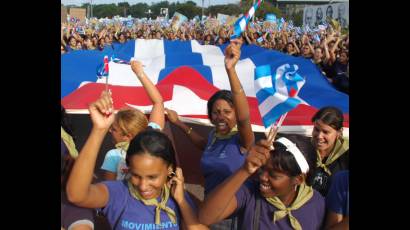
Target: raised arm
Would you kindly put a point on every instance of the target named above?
(326, 50)
(232, 54)
(62, 37)
(247, 38)
(157, 113)
(312, 50)
(335, 45)
(197, 139)
(79, 189)
(190, 218)
(297, 50)
(221, 202)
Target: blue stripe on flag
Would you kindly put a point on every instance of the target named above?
(247, 51)
(80, 66)
(262, 94)
(125, 51)
(177, 47)
(278, 110)
(178, 59)
(262, 71)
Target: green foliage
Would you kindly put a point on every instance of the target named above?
(138, 10)
(265, 8)
(297, 18)
(188, 8)
(230, 9)
(106, 10)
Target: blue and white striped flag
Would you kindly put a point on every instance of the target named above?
(277, 94)
(240, 24)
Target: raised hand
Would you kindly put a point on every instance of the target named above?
(101, 111)
(172, 115)
(137, 67)
(177, 186)
(257, 156)
(232, 53)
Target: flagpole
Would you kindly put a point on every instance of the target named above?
(106, 69)
(275, 128)
(253, 16)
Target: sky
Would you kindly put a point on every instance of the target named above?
(132, 2)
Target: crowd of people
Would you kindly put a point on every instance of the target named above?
(287, 182)
(325, 45)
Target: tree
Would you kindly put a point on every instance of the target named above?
(188, 9)
(138, 10)
(264, 8)
(105, 10)
(124, 7)
(230, 9)
(297, 18)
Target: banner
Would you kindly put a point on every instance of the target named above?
(187, 73)
(222, 18)
(317, 14)
(177, 20)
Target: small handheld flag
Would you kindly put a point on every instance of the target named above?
(240, 24)
(277, 92)
(106, 69)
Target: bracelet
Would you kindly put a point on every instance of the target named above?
(189, 131)
(240, 91)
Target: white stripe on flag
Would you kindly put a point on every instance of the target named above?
(271, 102)
(251, 11)
(211, 55)
(242, 24)
(245, 69)
(121, 74)
(148, 48)
(205, 49)
(181, 96)
(263, 82)
(220, 77)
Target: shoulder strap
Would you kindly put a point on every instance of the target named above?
(257, 212)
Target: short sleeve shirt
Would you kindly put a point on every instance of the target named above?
(310, 215)
(131, 213)
(337, 200)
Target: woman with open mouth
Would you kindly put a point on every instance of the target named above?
(228, 111)
(281, 199)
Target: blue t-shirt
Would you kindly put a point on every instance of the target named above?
(337, 199)
(135, 214)
(220, 160)
(310, 215)
(114, 160)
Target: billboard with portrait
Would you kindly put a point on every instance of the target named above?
(315, 15)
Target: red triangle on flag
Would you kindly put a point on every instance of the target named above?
(292, 92)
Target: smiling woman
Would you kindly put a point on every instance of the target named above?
(228, 111)
(153, 197)
(280, 199)
(332, 149)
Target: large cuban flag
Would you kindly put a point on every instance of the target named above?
(187, 74)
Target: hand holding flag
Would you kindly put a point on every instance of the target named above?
(232, 53)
